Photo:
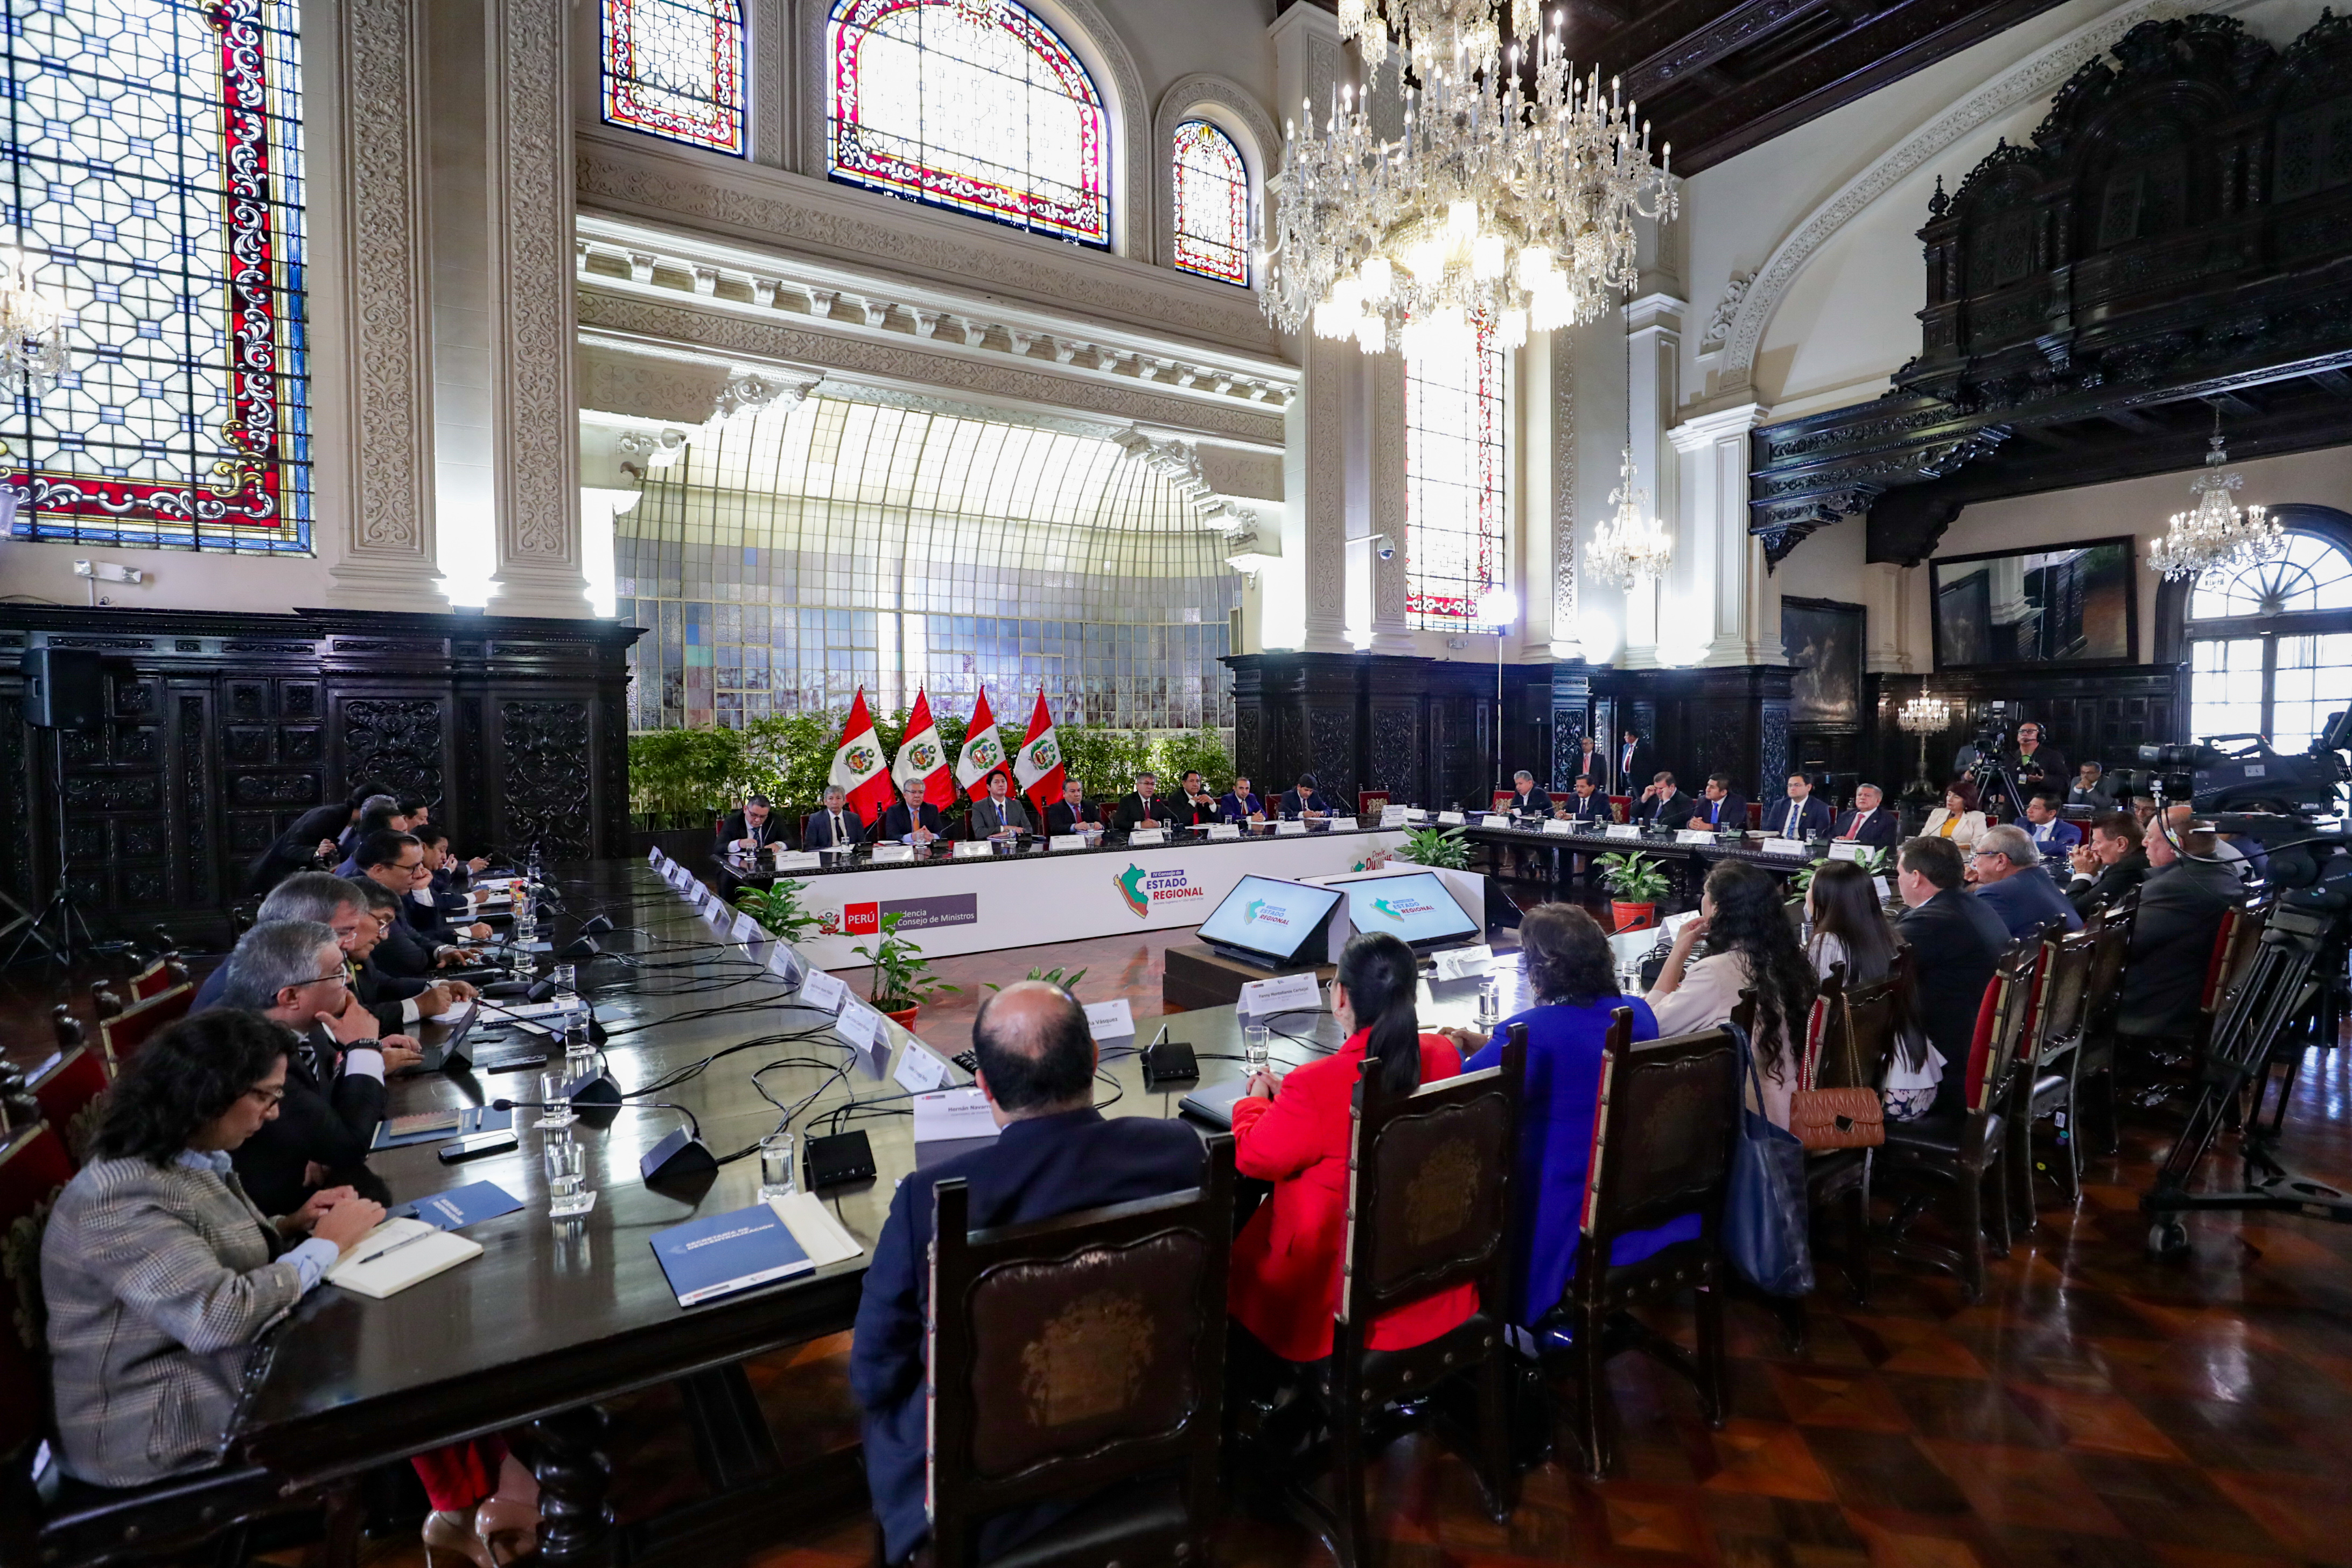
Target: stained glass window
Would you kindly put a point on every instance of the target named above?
(674, 69)
(155, 183)
(1211, 203)
(973, 105)
(1457, 481)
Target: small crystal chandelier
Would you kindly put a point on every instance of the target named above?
(1631, 546)
(1923, 716)
(2217, 536)
(1496, 207)
(32, 327)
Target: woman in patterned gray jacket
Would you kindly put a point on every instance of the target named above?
(159, 1273)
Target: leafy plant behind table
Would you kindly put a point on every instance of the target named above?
(1633, 878)
(902, 975)
(1201, 748)
(1445, 847)
(779, 909)
(1873, 863)
(686, 773)
(1067, 980)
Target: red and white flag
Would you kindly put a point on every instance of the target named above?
(1037, 772)
(922, 755)
(858, 764)
(983, 751)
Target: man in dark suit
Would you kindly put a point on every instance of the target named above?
(1869, 822)
(1304, 800)
(2091, 788)
(1055, 1154)
(1194, 805)
(1719, 808)
(1663, 804)
(2110, 866)
(313, 833)
(1591, 761)
(2181, 910)
(2006, 870)
(2051, 834)
(1240, 803)
(320, 898)
(291, 972)
(1002, 811)
(378, 813)
(1144, 806)
(1956, 941)
(1586, 802)
(396, 1002)
(395, 862)
(752, 829)
(1071, 812)
(1800, 815)
(833, 825)
(1526, 800)
(1633, 760)
(910, 820)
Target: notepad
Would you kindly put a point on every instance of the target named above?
(373, 1270)
(720, 1254)
(418, 1125)
(812, 1225)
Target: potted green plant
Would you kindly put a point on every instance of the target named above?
(903, 981)
(1873, 863)
(1067, 979)
(1443, 847)
(1637, 882)
(778, 908)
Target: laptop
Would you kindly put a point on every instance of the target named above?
(1213, 1102)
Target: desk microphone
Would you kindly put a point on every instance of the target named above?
(680, 1156)
(1169, 1061)
(537, 993)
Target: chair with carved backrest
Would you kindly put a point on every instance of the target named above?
(158, 977)
(1430, 1189)
(2093, 1059)
(1081, 1358)
(1958, 1151)
(123, 1036)
(2045, 1084)
(1667, 1116)
(71, 1089)
(1850, 1044)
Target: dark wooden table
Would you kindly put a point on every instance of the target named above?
(548, 1321)
(1686, 864)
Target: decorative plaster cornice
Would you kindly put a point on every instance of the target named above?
(2037, 76)
(1705, 430)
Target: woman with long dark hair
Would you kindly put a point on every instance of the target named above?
(1750, 946)
(1574, 982)
(1849, 926)
(1295, 1133)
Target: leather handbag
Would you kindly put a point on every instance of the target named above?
(1852, 1118)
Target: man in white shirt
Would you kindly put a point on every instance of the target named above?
(1869, 822)
(1801, 815)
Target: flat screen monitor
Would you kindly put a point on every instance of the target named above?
(1415, 907)
(1270, 923)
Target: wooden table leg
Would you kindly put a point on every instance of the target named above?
(573, 1479)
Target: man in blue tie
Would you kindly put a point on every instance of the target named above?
(1801, 815)
(2051, 833)
(1720, 809)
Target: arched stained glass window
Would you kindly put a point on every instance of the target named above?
(974, 105)
(674, 68)
(2269, 646)
(155, 152)
(1457, 481)
(1211, 203)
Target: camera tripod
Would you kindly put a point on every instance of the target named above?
(2295, 985)
(60, 931)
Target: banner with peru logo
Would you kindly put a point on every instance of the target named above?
(983, 752)
(858, 766)
(923, 756)
(1037, 772)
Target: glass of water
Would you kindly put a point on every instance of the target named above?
(1490, 1002)
(1257, 1047)
(554, 1100)
(568, 1192)
(779, 1176)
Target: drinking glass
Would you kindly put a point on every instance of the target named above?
(1257, 1047)
(568, 1192)
(1490, 1002)
(779, 1175)
(554, 1103)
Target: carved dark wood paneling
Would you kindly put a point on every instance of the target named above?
(1332, 748)
(1249, 743)
(398, 740)
(544, 756)
(1395, 761)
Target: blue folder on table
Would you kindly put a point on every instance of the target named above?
(462, 1207)
(436, 1127)
(722, 1253)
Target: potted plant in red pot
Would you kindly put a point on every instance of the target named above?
(1637, 882)
(902, 975)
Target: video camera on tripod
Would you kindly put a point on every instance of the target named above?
(2293, 991)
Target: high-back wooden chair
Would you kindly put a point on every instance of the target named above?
(158, 977)
(1852, 1037)
(2045, 1084)
(2093, 1061)
(1955, 1153)
(1081, 1358)
(34, 1165)
(71, 1089)
(121, 1035)
(1662, 1146)
(1431, 1180)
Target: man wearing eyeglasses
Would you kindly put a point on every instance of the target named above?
(292, 972)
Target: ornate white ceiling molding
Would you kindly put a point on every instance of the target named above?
(827, 222)
(2038, 76)
(1179, 462)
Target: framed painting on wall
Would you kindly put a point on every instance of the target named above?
(1823, 639)
(2065, 604)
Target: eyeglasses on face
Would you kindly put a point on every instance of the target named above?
(268, 1097)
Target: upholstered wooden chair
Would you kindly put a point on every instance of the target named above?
(1081, 1358)
(123, 1035)
(158, 977)
(71, 1089)
(2045, 1083)
(1662, 1148)
(1853, 1036)
(2092, 1061)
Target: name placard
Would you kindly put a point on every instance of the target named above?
(1451, 819)
(1143, 836)
(748, 930)
(893, 854)
(1558, 825)
(973, 849)
(1457, 963)
(823, 991)
(806, 860)
(1343, 824)
(1625, 830)
(1848, 850)
(1289, 825)
(1393, 816)
(1880, 883)
(1225, 830)
(1793, 847)
(861, 1026)
(1110, 1020)
(1694, 835)
(1069, 841)
(920, 1070)
(1283, 994)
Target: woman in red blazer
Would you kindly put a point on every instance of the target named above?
(1285, 1274)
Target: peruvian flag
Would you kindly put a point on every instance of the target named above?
(858, 766)
(1037, 772)
(983, 752)
(922, 755)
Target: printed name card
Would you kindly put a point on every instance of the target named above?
(654, 856)
(1289, 825)
(1069, 841)
(807, 860)
(1694, 835)
(1625, 830)
(748, 930)
(1451, 819)
(1848, 850)
(1795, 846)
(974, 849)
(1343, 824)
(861, 1026)
(1110, 1020)
(1558, 825)
(786, 964)
(1225, 830)
(823, 991)
(921, 1070)
(893, 854)
(1283, 994)
(1148, 835)
(1393, 816)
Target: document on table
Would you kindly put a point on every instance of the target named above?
(952, 1115)
(397, 1254)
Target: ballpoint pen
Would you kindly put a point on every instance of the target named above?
(395, 1247)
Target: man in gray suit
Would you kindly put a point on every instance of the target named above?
(835, 827)
(1001, 811)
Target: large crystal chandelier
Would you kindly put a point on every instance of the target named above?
(1631, 546)
(32, 327)
(1493, 206)
(2216, 535)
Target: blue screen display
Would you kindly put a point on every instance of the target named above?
(1417, 908)
(1264, 915)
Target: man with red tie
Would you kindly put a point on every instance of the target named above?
(1869, 822)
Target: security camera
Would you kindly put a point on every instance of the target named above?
(1386, 546)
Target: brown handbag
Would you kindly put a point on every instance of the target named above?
(1836, 1118)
